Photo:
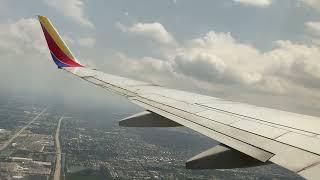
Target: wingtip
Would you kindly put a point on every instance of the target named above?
(39, 17)
(59, 51)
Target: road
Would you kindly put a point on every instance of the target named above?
(57, 171)
(5, 145)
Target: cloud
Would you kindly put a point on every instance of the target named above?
(23, 49)
(315, 4)
(28, 67)
(218, 59)
(288, 64)
(154, 31)
(88, 42)
(21, 37)
(256, 3)
(71, 8)
(150, 69)
(313, 26)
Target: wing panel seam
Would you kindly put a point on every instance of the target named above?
(232, 127)
(228, 112)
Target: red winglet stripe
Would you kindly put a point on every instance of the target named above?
(54, 48)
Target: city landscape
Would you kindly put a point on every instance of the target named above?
(45, 141)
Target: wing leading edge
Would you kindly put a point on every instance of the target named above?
(264, 134)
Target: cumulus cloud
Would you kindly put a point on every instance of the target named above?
(220, 59)
(256, 3)
(223, 53)
(87, 42)
(71, 8)
(146, 68)
(311, 3)
(276, 70)
(154, 31)
(313, 26)
(21, 37)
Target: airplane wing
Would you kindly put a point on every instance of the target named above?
(249, 135)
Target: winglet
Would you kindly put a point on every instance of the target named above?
(60, 52)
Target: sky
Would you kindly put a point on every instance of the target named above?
(263, 52)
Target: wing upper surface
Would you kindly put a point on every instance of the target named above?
(263, 133)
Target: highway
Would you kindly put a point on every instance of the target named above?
(57, 171)
(5, 145)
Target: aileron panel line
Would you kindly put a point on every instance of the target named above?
(284, 119)
(255, 152)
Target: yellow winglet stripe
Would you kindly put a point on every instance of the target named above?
(55, 35)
